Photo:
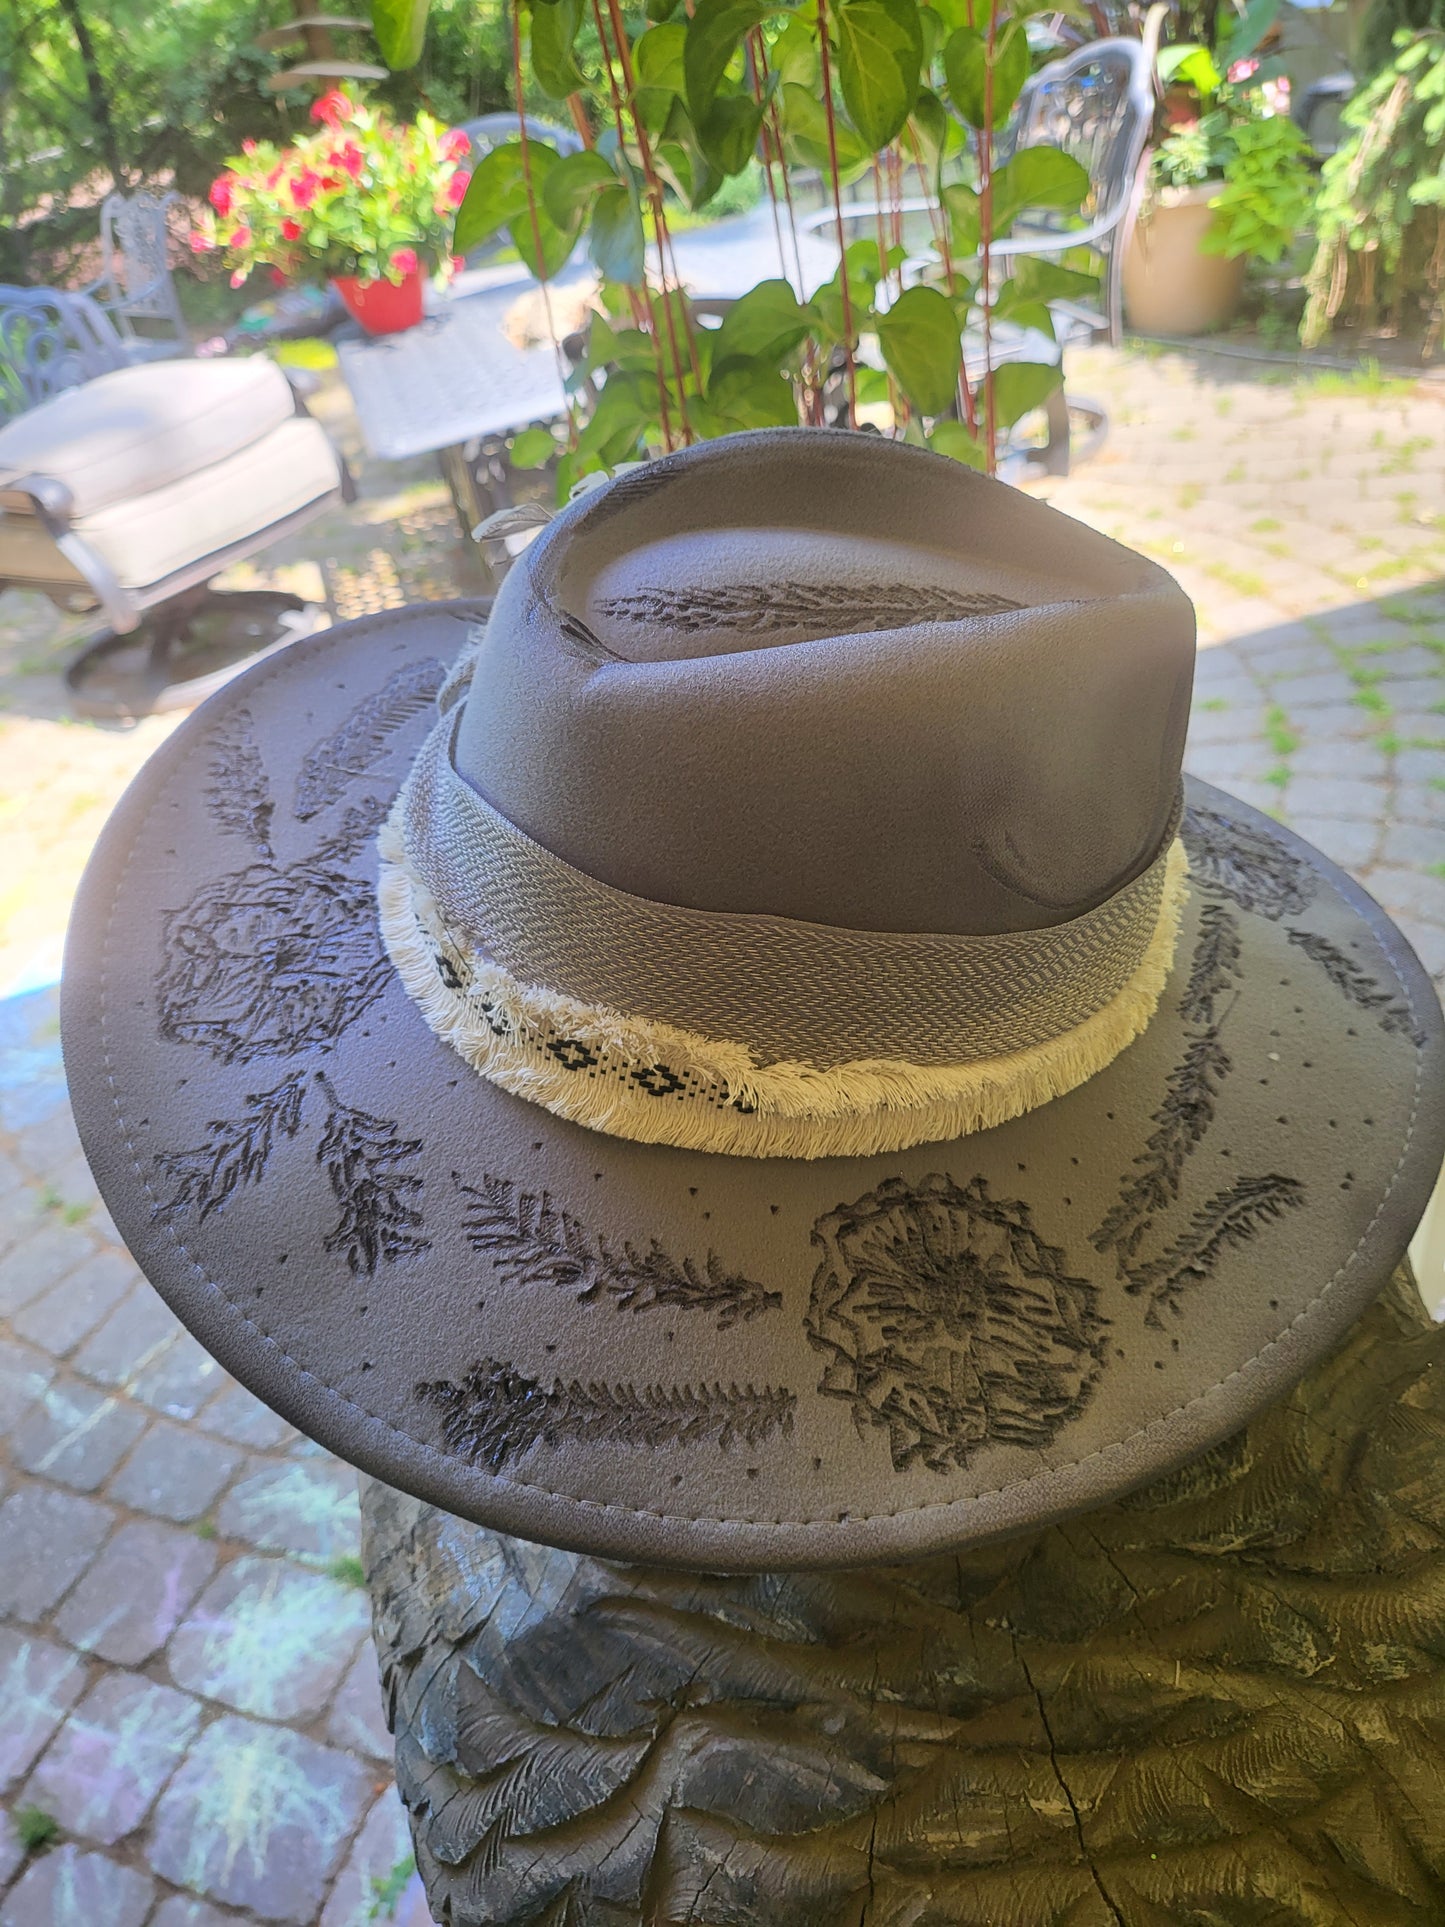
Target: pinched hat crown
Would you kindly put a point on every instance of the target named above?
(801, 797)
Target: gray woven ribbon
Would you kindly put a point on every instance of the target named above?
(787, 990)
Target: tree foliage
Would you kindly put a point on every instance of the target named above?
(153, 92)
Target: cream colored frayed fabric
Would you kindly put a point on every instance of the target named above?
(636, 1077)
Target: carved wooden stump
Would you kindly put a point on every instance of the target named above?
(1219, 1701)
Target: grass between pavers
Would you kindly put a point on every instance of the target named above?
(35, 1829)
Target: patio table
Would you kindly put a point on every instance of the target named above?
(454, 386)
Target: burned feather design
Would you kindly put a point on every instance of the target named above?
(497, 1413)
(235, 1152)
(380, 1205)
(1230, 1218)
(531, 1241)
(761, 608)
(1246, 864)
(1187, 1110)
(1179, 1123)
(1390, 1012)
(362, 738)
(238, 795)
(1215, 969)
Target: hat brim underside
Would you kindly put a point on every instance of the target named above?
(722, 1362)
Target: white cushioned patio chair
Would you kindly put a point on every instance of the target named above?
(128, 490)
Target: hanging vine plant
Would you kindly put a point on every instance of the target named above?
(673, 98)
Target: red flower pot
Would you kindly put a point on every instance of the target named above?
(382, 307)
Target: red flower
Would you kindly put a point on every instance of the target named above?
(456, 188)
(240, 239)
(222, 194)
(304, 187)
(456, 146)
(332, 108)
(349, 157)
(404, 260)
(278, 277)
(290, 229)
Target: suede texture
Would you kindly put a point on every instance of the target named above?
(723, 1362)
(961, 775)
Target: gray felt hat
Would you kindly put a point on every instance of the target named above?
(748, 1055)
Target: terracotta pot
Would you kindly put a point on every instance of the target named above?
(1170, 286)
(382, 307)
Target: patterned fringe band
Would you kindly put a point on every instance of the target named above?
(635, 1078)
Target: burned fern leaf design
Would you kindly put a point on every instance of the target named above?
(238, 796)
(1215, 969)
(1390, 1012)
(1179, 1123)
(496, 1414)
(380, 1215)
(362, 738)
(1230, 1218)
(358, 826)
(762, 608)
(531, 1241)
(1248, 865)
(236, 1151)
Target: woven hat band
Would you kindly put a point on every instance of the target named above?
(751, 1034)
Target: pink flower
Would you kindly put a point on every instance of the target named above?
(1242, 70)
(291, 230)
(456, 146)
(332, 108)
(240, 238)
(200, 243)
(278, 277)
(222, 194)
(248, 147)
(238, 277)
(349, 157)
(404, 260)
(304, 187)
(456, 187)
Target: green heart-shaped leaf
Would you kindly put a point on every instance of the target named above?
(880, 55)
(400, 29)
(920, 342)
(1021, 385)
(554, 31)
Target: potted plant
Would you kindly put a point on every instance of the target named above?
(365, 200)
(1229, 182)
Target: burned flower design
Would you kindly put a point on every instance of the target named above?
(948, 1322)
(268, 961)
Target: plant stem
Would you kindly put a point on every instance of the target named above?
(664, 413)
(850, 370)
(985, 216)
(532, 214)
(659, 218)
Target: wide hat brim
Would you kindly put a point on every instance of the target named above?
(714, 1361)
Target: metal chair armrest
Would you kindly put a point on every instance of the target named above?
(53, 500)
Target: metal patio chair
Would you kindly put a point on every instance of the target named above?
(127, 488)
(135, 282)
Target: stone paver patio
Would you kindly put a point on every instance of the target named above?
(186, 1685)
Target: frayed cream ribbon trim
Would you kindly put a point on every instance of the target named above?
(795, 1109)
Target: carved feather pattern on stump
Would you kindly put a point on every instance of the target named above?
(1220, 1701)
